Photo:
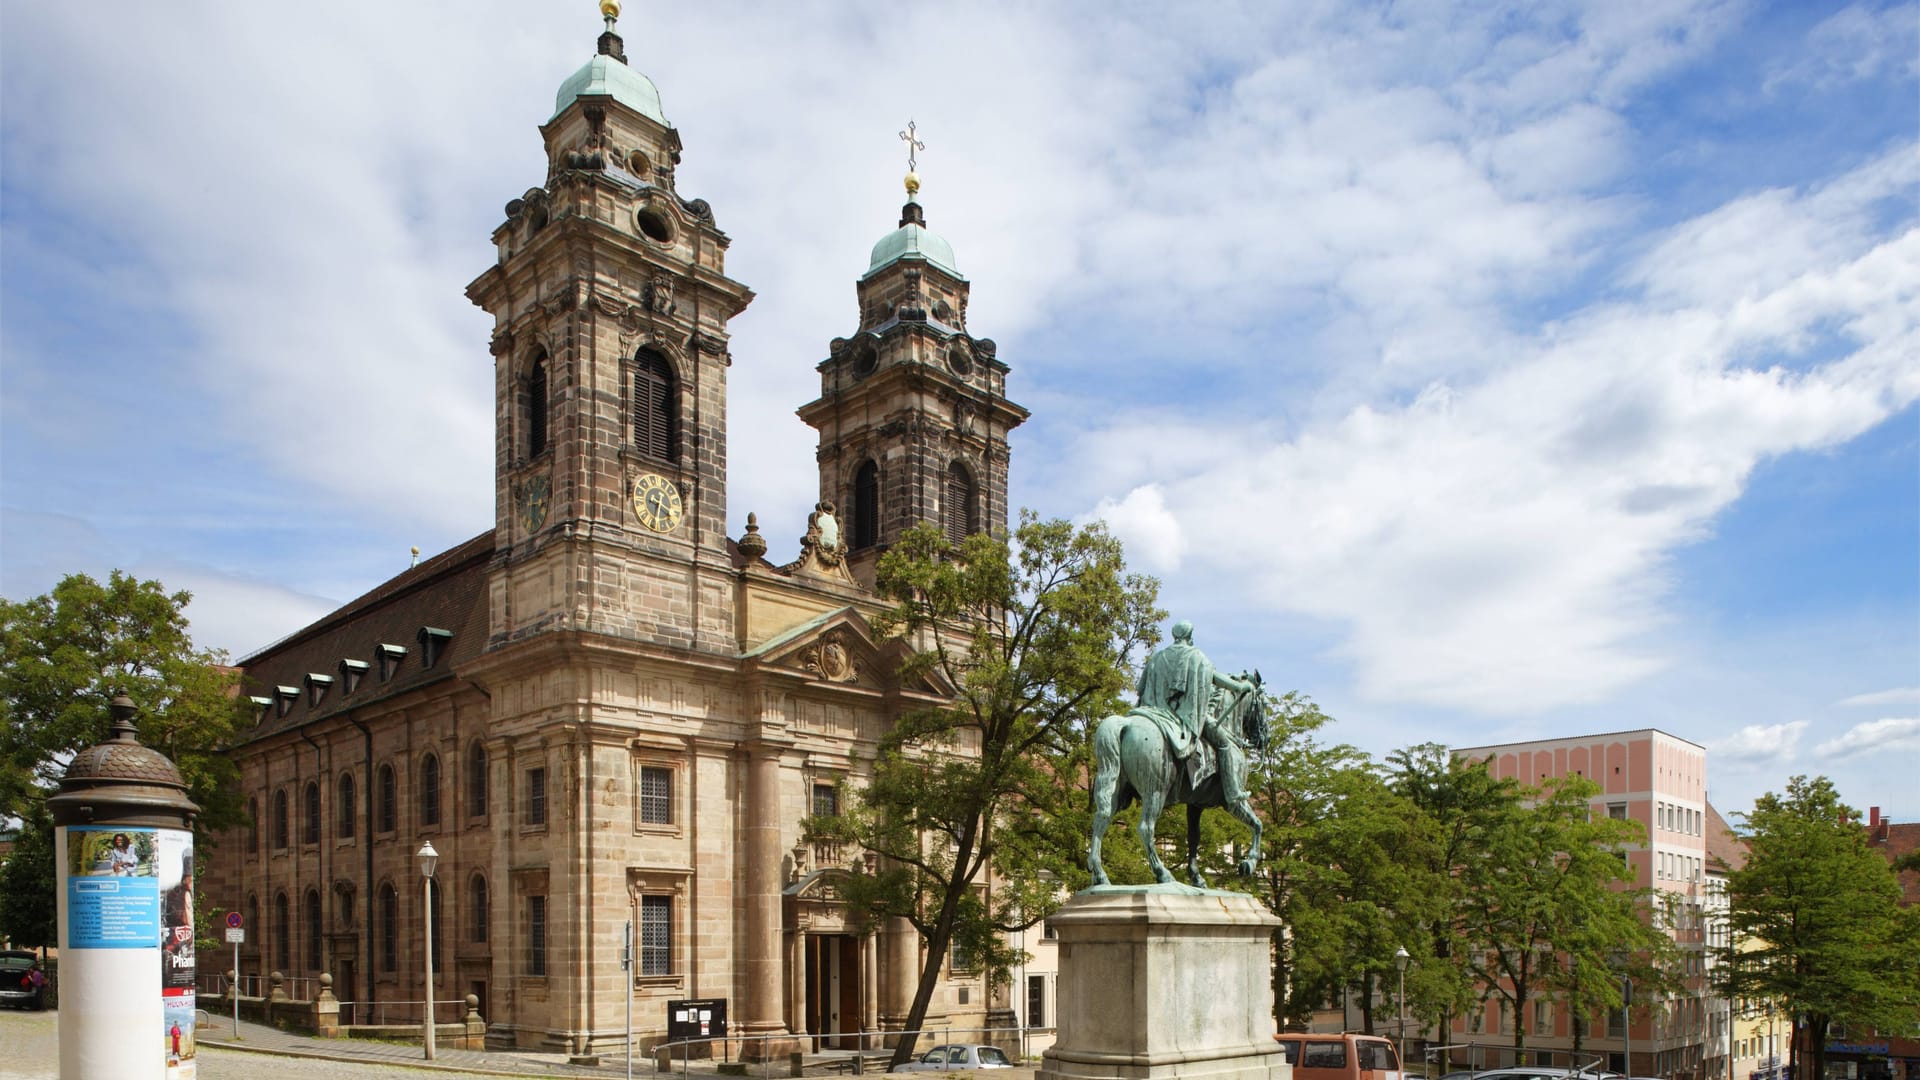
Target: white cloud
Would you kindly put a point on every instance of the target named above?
(1858, 42)
(1153, 537)
(1892, 734)
(1758, 744)
(1899, 695)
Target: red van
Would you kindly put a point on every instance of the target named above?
(1340, 1057)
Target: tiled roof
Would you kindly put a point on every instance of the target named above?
(1897, 842)
(446, 592)
(1723, 848)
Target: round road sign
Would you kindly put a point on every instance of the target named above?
(233, 919)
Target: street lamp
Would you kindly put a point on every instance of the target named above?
(1400, 959)
(429, 858)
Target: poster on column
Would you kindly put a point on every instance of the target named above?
(176, 950)
(113, 887)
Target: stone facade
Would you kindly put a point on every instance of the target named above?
(604, 710)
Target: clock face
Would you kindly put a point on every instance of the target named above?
(656, 502)
(534, 497)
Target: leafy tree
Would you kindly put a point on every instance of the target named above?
(1036, 641)
(27, 884)
(1815, 919)
(64, 655)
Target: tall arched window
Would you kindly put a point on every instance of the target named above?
(389, 800)
(310, 824)
(280, 820)
(656, 407)
(389, 928)
(282, 933)
(477, 909)
(537, 405)
(344, 808)
(315, 962)
(957, 510)
(866, 506)
(476, 779)
(430, 790)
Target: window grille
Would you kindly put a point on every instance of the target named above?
(430, 790)
(656, 795)
(656, 935)
(536, 796)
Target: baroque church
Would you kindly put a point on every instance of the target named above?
(605, 709)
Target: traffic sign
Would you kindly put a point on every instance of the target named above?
(233, 920)
(236, 936)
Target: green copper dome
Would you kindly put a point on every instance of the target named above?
(606, 75)
(914, 241)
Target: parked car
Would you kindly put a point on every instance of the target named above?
(21, 983)
(952, 1056)
(1340, 1057)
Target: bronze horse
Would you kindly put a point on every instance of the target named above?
(1132, 760)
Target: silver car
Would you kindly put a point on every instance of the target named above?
(953, 1056)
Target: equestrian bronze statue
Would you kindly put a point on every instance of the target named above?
(1185, 742)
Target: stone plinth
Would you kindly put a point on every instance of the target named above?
(1162, 981)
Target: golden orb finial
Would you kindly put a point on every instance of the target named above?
(610, 8)
(913, 184)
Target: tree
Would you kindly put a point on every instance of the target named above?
(27, 884)
(64, 655)
(1815, 920)
(1036, 642)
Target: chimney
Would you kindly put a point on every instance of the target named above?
(1873, 817)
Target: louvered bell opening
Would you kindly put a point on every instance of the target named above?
(958, 509)
(866, 506)
(655, 407)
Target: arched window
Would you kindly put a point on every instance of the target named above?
(253, 825)
(282, 933)
(957, 510)
(310, 826)
(866, 506)
(343, 810)
(389, 928)
(430, 790)
(389, 800)
(280, 820)
(476, 779)
(537, 406)
(656, 407)
(314, 960)
(477, 909)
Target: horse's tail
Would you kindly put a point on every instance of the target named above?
(1108, 774)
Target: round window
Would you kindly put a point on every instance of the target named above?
(652, 226)
(959, 361)
(638, 164)
(865, 359)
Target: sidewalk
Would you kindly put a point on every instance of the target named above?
(261, 1039)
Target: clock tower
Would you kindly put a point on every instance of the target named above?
(610, 302)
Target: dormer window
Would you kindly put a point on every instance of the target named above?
(284, 697)
(351, 672)
(390, 657)
(433, 641)
(260, 707)
(317, 687)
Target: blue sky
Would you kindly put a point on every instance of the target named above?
(1487, 372)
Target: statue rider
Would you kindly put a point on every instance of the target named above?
(1176, 687)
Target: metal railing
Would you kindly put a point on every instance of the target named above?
(297, 988)
(866, 1045)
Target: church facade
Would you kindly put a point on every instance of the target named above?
(605, 709)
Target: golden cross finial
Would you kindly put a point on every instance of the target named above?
(911, 137)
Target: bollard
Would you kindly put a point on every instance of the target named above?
(123, 851)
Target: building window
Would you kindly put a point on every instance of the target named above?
(282, 933)
(1036, 1001)
(957, 513)
(310, 828)
(866, 506)
(536, 935)
(1617, 811)
(476, 779)
(1543, 1017)
(826, 801)
(656, 407)
(389, 928)
(280, 820)
(656, 795)
(389, 800)
(343, 810)
(1477, 1020)
(315, 962)
(536, 797)
(656, 935)
(477, 909)
(430, 790)
(537, 406)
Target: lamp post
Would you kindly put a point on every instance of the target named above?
(1400, 959)
(429, 858)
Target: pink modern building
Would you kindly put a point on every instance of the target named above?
(1660, 781)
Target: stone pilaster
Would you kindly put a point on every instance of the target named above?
(762, 964)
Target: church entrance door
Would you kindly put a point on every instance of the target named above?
(833, 990)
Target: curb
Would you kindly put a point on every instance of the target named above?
(350, 1059)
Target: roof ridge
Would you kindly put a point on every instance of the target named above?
(411, 578)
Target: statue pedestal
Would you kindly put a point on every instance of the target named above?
(1164, 981)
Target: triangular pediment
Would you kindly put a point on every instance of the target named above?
(840, 648)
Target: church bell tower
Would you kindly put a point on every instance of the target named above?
(611, 303)
(912, 414)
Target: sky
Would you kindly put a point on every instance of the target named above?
(1486, 372)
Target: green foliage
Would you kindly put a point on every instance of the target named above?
(27, 879)
(1815, 918)
(65, 654)
(1036, 641)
